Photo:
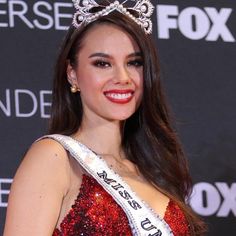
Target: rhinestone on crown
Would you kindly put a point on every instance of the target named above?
(84, 15)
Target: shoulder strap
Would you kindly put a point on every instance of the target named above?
(142, 219)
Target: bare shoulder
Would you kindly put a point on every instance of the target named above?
(40, 183)
(46, 160)
(49, 148)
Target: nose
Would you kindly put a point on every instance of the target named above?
(122, 75)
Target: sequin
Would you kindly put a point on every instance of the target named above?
(95, 213)
(175, 218)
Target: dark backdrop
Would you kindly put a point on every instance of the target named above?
(197, 47)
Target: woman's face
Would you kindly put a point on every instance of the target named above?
(109, 74)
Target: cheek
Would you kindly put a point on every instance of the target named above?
(89, 81)
(140, 81)
(137, 75)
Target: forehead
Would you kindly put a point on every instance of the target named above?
(109, 38)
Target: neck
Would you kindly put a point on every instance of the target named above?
(103, 137)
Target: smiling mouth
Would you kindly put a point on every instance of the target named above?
(119, 96)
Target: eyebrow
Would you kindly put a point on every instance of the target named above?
(101, 54)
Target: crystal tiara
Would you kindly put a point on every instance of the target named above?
(85, 11)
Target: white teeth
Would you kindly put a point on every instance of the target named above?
(119, 95)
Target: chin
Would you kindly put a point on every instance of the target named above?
(122, 117)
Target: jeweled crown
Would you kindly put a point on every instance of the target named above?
(85, 11)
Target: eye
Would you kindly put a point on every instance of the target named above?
(136, 63)
(101, 63)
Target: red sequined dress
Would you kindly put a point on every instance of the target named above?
(95, 213)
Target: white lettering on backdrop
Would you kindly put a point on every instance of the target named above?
(46, 15)
(19, 97)
(194, 23)
(4, 191)
(208, 199)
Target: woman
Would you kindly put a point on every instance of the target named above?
(108, 103)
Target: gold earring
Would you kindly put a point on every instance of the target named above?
(74, 89)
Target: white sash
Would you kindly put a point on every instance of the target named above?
(142, 219)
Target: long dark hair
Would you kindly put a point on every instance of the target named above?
(148, 138)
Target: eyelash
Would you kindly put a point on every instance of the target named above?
(136, 63)
(105, 64)
(101, 63)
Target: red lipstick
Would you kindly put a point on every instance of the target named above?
(120, 96)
